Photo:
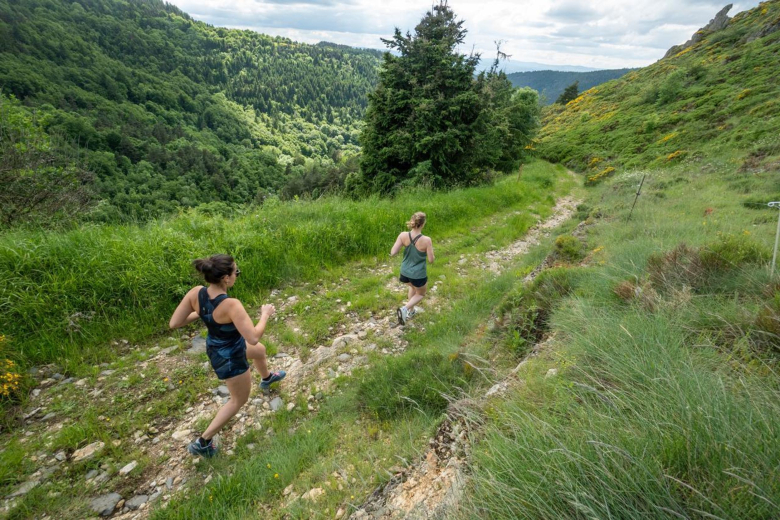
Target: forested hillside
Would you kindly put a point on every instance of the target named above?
(166, 111)
(718, 96)
(551, 83)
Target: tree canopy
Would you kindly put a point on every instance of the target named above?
(570, 93)
(431, 121)
(169, 112)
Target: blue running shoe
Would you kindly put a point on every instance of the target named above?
(209, 450)
(265, 384)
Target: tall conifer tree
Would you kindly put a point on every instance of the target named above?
(421, 120)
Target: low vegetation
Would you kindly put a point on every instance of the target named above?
(665, 342)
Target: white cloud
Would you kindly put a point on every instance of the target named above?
(600, 34)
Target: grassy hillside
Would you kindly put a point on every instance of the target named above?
(551, 83)
(718, 96)
(664, 337)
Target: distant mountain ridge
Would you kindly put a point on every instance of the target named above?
(551, 83)
(510, 67)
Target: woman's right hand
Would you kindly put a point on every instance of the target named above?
(267, 310)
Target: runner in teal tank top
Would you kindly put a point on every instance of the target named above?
(418, 250)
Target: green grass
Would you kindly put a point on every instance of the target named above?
(666, 404)
(68, 294)
(306, 448)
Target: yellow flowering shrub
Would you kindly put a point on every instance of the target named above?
(10, 379)
(600, 176)
(679, 154)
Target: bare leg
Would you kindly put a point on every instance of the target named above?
(419, 294)
(257, 354)
(239, 388)
(411, 291)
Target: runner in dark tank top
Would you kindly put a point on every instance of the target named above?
(233, 338)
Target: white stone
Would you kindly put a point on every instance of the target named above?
(127, 469)
(88, 451)
(313, 494)
(181, 435)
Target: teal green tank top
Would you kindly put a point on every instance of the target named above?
(414, 263)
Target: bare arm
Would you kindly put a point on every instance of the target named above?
(240, 318)
(398, 245)
(185, 312)
(429, 251)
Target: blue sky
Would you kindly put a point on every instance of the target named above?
(590, 33)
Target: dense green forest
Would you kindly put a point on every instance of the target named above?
(162, 111)
(551, 83)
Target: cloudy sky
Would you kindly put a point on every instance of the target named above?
(591, 33)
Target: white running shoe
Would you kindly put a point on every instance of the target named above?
(403, 315)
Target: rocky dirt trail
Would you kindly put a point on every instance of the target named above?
(433, 486)
(422, 491)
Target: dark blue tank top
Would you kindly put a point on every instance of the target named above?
(221, 336)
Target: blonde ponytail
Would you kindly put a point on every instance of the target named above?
(417, 220)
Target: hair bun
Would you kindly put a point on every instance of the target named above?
(215, 267)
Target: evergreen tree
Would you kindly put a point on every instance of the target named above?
(422, 118)
(571, 92)
(431, 122)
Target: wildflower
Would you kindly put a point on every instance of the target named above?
(276, 475)
(269, 465)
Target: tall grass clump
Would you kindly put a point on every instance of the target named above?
(413, 382)
(666, 402)
(66, 294)
(642, 426)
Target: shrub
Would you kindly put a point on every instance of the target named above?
(732, 251)
(417, 381)
(671, 87)
(600, 176)
(681, 266)
(569, 249)
(10, 378)
(695, 267)
(526, 313)
(639, 291)
(767, 324)
(676, 155)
